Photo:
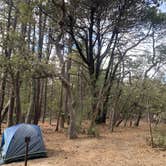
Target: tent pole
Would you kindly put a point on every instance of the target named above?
(27, 140)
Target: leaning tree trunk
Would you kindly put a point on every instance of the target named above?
(5, 111)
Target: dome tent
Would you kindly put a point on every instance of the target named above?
(13, 146)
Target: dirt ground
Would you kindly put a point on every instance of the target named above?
(124, 147)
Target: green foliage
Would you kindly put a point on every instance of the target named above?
(135, 97)
(25, 12)
(159, 135)
(155, 16)
(93, 132)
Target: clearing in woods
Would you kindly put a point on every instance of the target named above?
(124, 147)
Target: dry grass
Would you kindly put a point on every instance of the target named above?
(124, 147)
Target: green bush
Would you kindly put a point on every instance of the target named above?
(93, 132)
(159, 138)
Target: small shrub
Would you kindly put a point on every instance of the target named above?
(93, 132)
(159, 138)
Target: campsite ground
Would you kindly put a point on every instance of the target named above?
(124, 147)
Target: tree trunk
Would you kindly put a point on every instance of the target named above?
(37, 102)
(50, 116)
(72, 133)
(63, 95)
(42, 85)
(31, 109)
(60, 108)
(2, 96)
(80, 94)
(112, 120)
(137, 122)
(17, 94)
(45, 100)
(11, 109)
(64, 111)
(51, 110)
(7, 51)
(101, 118)
(94, 111)
(150, 129)
(119, 122)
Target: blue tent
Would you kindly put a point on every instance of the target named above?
(13, 146)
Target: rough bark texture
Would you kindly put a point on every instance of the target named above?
(31, 108)
(139, 116)
(17, 95)
(45, 100)
(60, 108)
(2, 96)
(11, 109)
(72, 133)
(37, 102)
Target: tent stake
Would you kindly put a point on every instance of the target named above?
(27, 140)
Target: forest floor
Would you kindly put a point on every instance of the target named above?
(124, 147)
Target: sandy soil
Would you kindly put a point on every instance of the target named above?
(125, 147)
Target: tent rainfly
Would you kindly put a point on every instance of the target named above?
(13, 146)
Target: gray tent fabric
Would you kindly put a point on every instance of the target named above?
(13, 146)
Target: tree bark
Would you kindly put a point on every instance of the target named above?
(137, 122)
(5, 111)
(150, 129)
(31, 109)
(45, 100)
(63, 97)
(60, 108)
(112, 120)
(37, 102)
(11, 108)
(2, 96)
(41, 97)
(17, 95)
(51, 110)
(72, 133)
